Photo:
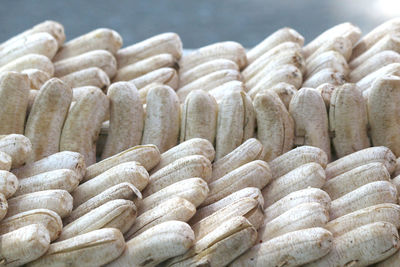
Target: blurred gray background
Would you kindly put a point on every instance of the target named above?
(197, 22)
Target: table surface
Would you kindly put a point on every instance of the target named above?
(197, 22)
